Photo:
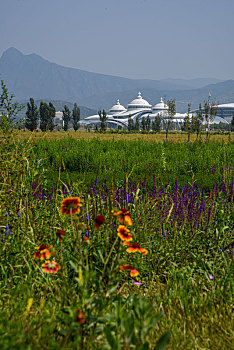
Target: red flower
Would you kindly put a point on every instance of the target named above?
(99, 221)
(60, 233)
(124, 217)
(135, 247)
(133, 272)
(126, 267)
(124, 234)
(80, 317)
(70, 206)
(43, 252)
(50, 267)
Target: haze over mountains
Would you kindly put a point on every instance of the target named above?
(32, 76)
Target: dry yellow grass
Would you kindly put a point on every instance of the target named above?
(160, 137)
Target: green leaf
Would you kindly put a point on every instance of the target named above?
(110, 338)
(144, 346)
(163, 341)
(74, 266)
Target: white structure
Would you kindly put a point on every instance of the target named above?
(118, 115)
(225, 111)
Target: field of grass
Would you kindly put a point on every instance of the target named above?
(175, 289)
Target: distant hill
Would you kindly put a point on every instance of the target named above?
(32, 76)
(192, 83)
(221, 93)
(59, 105)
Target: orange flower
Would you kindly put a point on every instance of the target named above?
(99, 221)
(70, 206)
(60, 233)
(123, 233)
(133, 272)
(86, 238)
(50, 267)
(124, 217)
(43, 252)
(80, 317)
(135, 247)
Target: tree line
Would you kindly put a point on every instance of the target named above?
(44, 117)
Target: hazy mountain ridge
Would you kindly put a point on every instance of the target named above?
(32, 76)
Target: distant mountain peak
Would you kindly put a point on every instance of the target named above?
(11, 51)
(31, 75)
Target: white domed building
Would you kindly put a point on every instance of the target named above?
(138, 108)
(118, 115)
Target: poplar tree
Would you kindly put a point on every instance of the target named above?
(156, 124)
(210, 111)
(137, 125)
(76, 117)
(130, 123)
(66, 117)
(44, 116)
(199, 120)
(103, 119)
(143, 124)
(52, 111)
(187, 122)
(148, 123)
(32, 115)
(170, 114)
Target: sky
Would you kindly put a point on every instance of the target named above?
(151, 39)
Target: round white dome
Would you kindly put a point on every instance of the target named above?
(117, 108)
(161, 106)
(139, 102)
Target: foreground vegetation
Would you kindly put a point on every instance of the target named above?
(174, 291)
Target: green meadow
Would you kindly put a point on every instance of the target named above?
(71, 281)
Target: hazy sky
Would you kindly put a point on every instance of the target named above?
(131, 38)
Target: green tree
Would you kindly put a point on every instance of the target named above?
(187, 122)
(210, 111)
(156, 124)
(8, 109)
(103, 119)
(199, 120)
(130, 123)
(143, 124)
(170, 114)
(148, 123)
(44, 116)
(137, 125)
(66, 117)
(32, 115)
(52, 113)
(193, 120)
(76, 117)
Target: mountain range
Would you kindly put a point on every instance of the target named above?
(32, 76)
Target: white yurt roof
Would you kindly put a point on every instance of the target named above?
(139, 102)
(160, 106)
(117, 108)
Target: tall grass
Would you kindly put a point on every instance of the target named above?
(185, 223)
(113, 161)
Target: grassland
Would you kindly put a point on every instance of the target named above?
(180, 198)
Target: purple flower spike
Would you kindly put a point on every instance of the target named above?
(6, 214)
(211, 277)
